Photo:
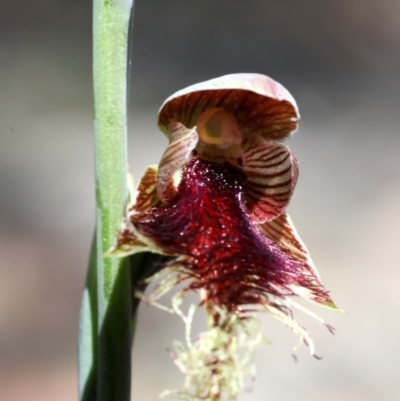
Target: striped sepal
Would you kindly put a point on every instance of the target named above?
(181, 143)
(127, 242)
(257, 102)
(146, 196)
(271, 172)
(282, 231)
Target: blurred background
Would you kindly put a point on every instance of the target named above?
(341, 61)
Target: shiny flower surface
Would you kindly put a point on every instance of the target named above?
(216, 204)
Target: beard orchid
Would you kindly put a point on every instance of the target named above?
(216, 204)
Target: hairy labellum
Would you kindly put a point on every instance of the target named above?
(207, 222)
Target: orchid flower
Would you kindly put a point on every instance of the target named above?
(216, 204)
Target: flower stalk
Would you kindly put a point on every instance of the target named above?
(106, 321)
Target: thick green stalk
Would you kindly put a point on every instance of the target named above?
(110, 50)
(107, 377)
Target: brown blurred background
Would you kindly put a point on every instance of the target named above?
(341, 61)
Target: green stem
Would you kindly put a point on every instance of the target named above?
(110, 50)
(111, 367)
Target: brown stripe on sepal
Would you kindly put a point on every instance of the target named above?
(147, 196)
(283, 232)
(181, 143)
(271, 172)
(127, 242)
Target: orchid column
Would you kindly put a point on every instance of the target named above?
(105, 331)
